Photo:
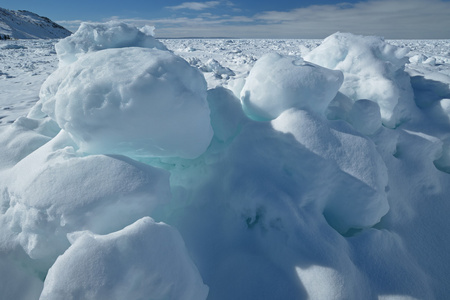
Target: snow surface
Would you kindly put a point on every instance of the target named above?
(277, 83)
(91, 37)
(128, 264)
(132, 101)
(130, 176)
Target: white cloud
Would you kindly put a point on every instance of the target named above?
(412, 19)
(71, 25)
(195, 5)
(389, 18)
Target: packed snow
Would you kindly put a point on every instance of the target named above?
(292, 82)
(123, 101)
(128, 264)
(140, 168)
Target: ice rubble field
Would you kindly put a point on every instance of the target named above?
(298, 169)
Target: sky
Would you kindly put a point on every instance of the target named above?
(391, 19)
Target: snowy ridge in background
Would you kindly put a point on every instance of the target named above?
(23, 24)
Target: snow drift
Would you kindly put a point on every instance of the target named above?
(130, 179)
(141, 253)
(372, 69)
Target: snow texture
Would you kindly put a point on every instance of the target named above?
(220, 169)
(373, 69)
(92, 37)
(277, 83)
(354, 165)
(132, 101)
(43, 199)
(145, 260)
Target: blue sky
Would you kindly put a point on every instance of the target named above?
(256, 18)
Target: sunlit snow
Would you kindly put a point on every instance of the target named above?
(136, 168)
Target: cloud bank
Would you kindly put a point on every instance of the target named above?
(195, 5)
(394, 19)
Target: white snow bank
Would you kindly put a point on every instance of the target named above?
(131, 101)
(373, 69)
(97, 36)
(277, 83)
(327, 283)
(23, 137)
(357, 197)
(145, 260)
(53, 191)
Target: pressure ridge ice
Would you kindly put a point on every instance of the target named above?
(124, 101)
(372, 69)
(127, 100)
(277, 83)
(130, 178)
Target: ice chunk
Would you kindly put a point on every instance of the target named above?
(213, 65)
(132, 101)
(54, 191)
(430, 61)
(146, 260)
(97, 36)
(148, 30)
(226, 113)
(418, 58)
(373, 69)
(277, 83)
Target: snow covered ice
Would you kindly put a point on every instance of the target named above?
(141, 253)
(127, 100)
(372, 69)
(277, 83)
(91, 37)
(132, 101)
(140, 168)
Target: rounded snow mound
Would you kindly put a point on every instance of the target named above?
(131, 101)
(277, 83)
(145, 260)
(373, 69)
(54, 191)
(97, 36)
